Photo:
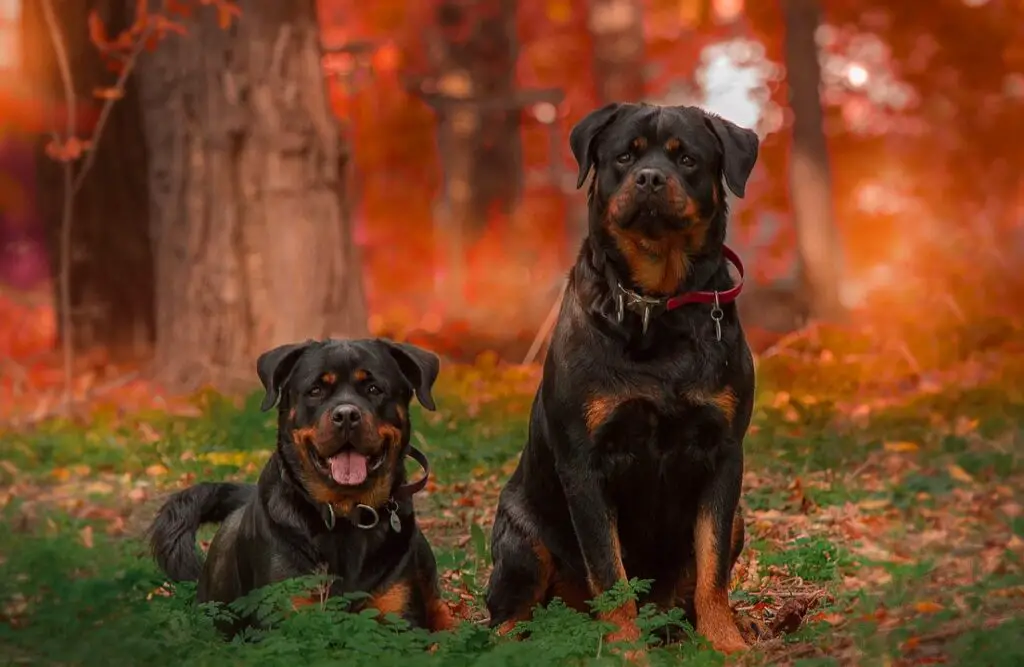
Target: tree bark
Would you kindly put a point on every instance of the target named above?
(251, 237)
(810, 180)
(111, 266)
(617, 33)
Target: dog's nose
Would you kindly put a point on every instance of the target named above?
(346, 416)
(650, 180)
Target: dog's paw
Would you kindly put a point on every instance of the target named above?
(636, 656)
(506, 628)
(724, 637)
(627, 632)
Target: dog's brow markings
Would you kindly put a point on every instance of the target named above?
(360, 375)
(672, 145)
(639, 144)
(328, 378)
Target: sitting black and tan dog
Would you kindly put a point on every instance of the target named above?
(634, 461)
(334, 496)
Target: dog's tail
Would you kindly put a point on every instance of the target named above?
(172, 536)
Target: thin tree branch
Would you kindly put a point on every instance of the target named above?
(67, 205)
(108, 106)
(73, 182)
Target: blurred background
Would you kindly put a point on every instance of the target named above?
(272, 171)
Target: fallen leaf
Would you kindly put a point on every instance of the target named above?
(927, 607)
(874, 503)
(901, 446)
(156, 470)
(959, 474)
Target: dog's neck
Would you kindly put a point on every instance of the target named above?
(679, 271)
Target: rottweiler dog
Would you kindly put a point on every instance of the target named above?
(334, 497)
(634, 460)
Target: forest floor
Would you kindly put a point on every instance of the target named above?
(884, 525)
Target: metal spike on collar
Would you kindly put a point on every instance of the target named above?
(620, 305)
(645, 320)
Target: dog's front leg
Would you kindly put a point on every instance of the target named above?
(713, 537)
(595, 525)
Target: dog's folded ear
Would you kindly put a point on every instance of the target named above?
(739, 151)
(275, 367)
(583, 135)
(418, 366)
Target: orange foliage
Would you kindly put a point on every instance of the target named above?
(942, 264)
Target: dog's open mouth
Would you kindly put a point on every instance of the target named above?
(350, 468)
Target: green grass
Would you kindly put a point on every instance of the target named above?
(902, 554)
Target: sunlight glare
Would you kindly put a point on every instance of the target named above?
(856, 75)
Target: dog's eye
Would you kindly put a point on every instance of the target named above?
(687, 161)
(374, 390)
(315, 391)
(625, 158)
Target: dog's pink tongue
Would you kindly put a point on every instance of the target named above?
(348, 468)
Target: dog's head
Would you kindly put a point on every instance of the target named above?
(657, 192)
(344, 412)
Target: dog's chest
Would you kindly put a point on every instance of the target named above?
(663, 420)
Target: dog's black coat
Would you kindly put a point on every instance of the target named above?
(278, 528)
(635, 440)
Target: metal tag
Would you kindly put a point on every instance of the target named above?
(716, 317)
(396, 523)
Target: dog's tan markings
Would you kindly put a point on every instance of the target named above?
(737, 536)
(639, 144)
(724, 401)
(393, 600)
(657, 266)
(329, 378)
(686, 584)
(599, 408)
(672, 145)
(305, 436)
(360, 375)
(623, 616)
(711, 596)
(301, 601)
(545, 575)
(403, 414)
(439, 614)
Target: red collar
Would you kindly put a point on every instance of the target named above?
(728, 296)
(645, 306)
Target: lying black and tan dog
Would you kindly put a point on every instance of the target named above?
(634, 461)
(333, 497)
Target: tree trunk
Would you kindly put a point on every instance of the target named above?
(252, 241)
(473, 57)
(111, 266)
(479, 120)
(617, 33)
(810, 180)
